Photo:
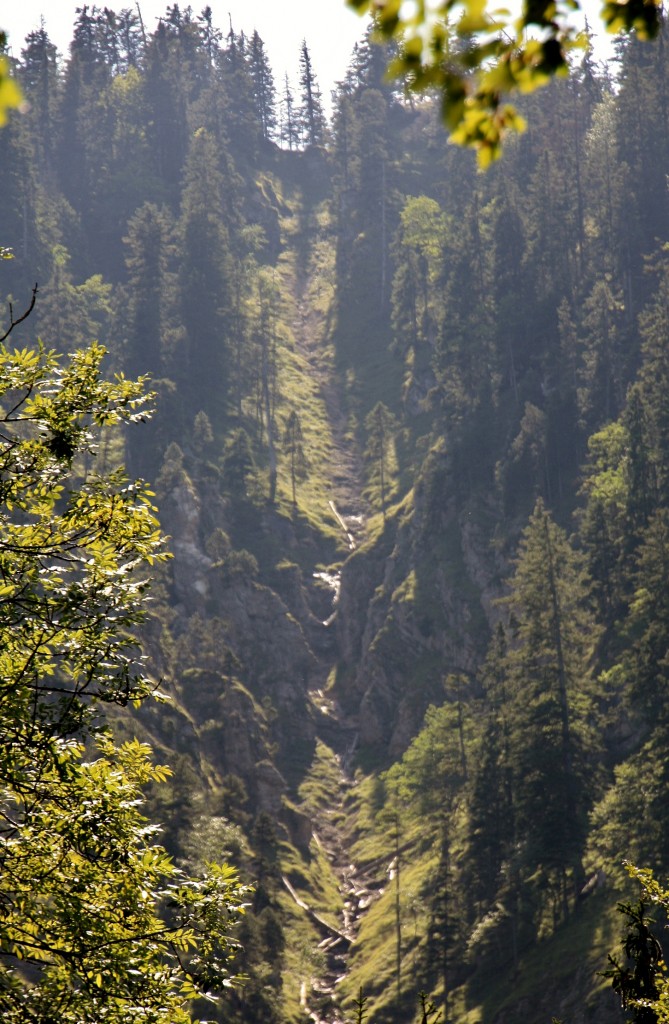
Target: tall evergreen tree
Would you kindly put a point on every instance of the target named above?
(40, 78)
(294, 447)
(311, 118)
(366, 214)
(165, 89)
(148, 249)
(265, 338)
(289, 132)
(205, 275)
(381, 427)
(264, 92)
(416, 309)
(552, 747)
(242, 126)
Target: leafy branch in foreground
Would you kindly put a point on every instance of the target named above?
(97, 923)
(474, 55)
(10, 94)
(14, 322)
(641, 979)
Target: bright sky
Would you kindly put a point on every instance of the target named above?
(329, 27)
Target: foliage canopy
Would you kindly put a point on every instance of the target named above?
(98, 924)
(474, 54)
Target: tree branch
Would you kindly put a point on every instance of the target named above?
(24, 316)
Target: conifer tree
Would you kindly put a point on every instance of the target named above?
(264, 92)
(381, 427)
(643, 149)
(365, 211)
(165, 90)
(415, 308)
(310, 115)
(75, 315)
(654, 378)
(205, 275)
(148, 248)
(367, 67)
(131, 37)
(649, 624)
(552, 747)
(210, 36)
(238, 461)
(86, 77)
(240, 126)
(605, 524)
(265, 338)
(293, 446)
(605, 375)
(40, 78)
(20, 235)
(289, 130)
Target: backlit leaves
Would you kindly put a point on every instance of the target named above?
(111, 930)
(475, 55)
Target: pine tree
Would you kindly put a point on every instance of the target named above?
(310, 116)
(205, 275)
(241, 124)
(381, 427)
(148, 247)
(265, 339)
(366, 220)
(648, 625)
(165, 90)
(415, 306)
(264, 92)
(41, 80)
(294, 448)
(552, 749)
(289, 132)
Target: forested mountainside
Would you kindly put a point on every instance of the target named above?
(411, 450)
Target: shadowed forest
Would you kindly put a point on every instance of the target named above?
(410, 449)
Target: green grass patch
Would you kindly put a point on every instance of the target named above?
(322, 780)
(565, 963)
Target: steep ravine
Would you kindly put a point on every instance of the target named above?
(305, 276)
(336, 732)
(333, 834)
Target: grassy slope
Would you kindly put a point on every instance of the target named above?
(557, 977)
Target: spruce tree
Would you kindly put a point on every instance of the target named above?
(289, 132)
(552, 747)
(294, 448)
(205, 275)
(165, 90)
(41, 80)
(310, 115)
(264, 91)
(381, 427)
(148, 248)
